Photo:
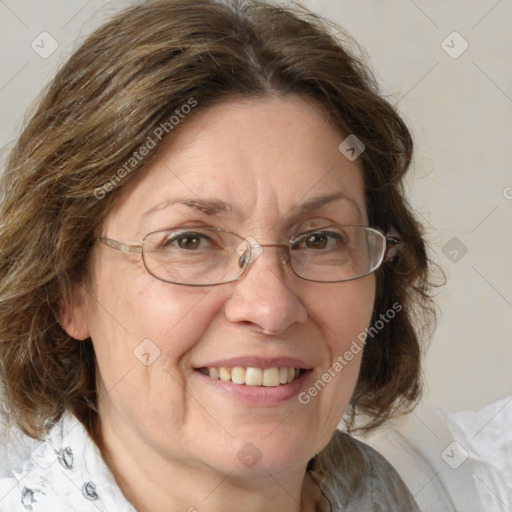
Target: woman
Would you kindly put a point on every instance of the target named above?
(207, 262)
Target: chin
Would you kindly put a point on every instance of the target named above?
(260, 455)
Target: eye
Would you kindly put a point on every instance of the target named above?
(189, 241)
(319, 240)
(316, 241)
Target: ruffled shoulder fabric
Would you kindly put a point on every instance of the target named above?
(65, 472)
(453, 461)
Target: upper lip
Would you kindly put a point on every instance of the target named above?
(257, 362)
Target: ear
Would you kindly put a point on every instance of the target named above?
(74, 313)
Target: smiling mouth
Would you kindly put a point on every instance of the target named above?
(251, 376)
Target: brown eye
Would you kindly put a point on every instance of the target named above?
(320, 241)
(185, 241)
(189, 242)
(316, 241)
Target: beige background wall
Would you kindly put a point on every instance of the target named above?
(458, 103)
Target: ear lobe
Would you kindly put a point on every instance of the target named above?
(74, 316)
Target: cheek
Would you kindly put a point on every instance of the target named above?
(170, 311)
(140, 314)
(342, 313)
(343, 310)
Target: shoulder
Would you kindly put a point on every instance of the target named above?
(356, 477)
(63, 471)
(452, 460)
(15, 450)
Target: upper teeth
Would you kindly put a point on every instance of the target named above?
(270, 377)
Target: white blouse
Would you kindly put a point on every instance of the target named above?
(65, 472)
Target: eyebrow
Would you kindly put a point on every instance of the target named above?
(206, 206)
(319, 201)
(217, 206)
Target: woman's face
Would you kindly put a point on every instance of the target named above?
(266, 169)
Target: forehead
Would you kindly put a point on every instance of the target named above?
(266, 158)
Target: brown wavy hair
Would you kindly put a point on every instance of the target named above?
(119, 86)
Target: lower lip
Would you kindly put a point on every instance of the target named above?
(257, 396)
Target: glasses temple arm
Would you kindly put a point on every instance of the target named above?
(392, 243)
(119, 245)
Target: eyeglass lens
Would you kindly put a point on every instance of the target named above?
(202, 256)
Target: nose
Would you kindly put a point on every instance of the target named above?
(263, 297)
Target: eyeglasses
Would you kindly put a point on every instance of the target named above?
(208, 256)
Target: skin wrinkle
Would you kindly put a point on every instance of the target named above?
(214, 208)
(217, 207)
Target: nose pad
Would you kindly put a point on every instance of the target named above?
(244, 252)
(249, 250)
(285, 254)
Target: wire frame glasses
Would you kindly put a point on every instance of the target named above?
(207, 256)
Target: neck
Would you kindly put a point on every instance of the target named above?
(153, 483)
